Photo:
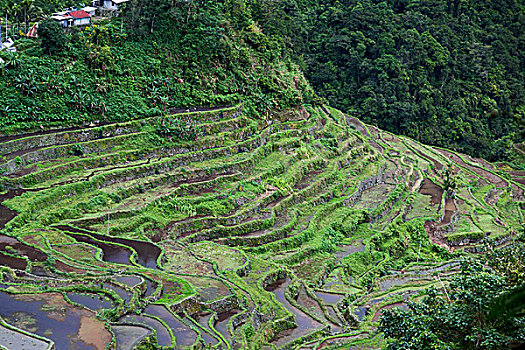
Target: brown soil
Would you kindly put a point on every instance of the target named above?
(387, 307)
(307, 180)
(435, 234)
(520, 180)
(23, 249)
(12, 262)
(450, 209)
(377, 146)
(437, 164)
(358, 125)
(92, 332)
(429, 188)
(70, 269)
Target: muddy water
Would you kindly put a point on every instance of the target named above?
(23, 249)
(431, 189)
(12, 245)
(184, 334)
(130, 281)
(91, 301)
(360, 312)
(329, 298)
(221, 323)
(150, 287)
(124, 294)
(203, 320)
(12, 262)
(50, 316)
(147, 253)
(111, 253)
(305, 324)
(163, 335)
(7, 214)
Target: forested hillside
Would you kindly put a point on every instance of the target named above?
(448, 73)
(158, 55)
(445, 73)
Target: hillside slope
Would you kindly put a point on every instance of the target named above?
(214, 227)
(447, 73)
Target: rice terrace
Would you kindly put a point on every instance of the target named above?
(294, 233)
(262, 175)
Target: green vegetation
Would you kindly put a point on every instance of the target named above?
(182, 169)
(180, 54)
(302, 221)
(447, 73)
(468, 313)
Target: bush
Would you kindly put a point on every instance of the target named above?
(53, 37)
(176, 129)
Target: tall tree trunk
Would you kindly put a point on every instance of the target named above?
(152, 23)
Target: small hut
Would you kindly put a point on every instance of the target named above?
(80, 17)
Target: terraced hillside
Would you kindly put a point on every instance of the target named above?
(294, 231)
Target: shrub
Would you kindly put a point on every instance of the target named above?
(176, 129)
(53, 37)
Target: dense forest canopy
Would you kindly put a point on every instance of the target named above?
(448, 73)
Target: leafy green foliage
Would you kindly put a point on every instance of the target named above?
(53, 37)
(457, 316)
(159, 55)
(177, 129)
(331, 239)
(443, 72)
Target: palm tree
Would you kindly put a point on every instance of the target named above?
(35, 10)
(25, 4)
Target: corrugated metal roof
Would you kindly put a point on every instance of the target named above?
(61, 18)
(79, 14)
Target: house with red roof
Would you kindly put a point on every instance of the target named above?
(80, 17)
(72, 17)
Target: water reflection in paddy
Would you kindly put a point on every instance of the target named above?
(111, 252)
(130, 281)
(203, 320)
(221, 324)
(305, 324)
(184, 334)
(124, 294)
(163, 335)
(48, 315)
(147, 253)
(329, 298)
(128, 336)
(91, 301)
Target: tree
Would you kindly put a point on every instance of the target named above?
(460, 316)
(53, 37)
